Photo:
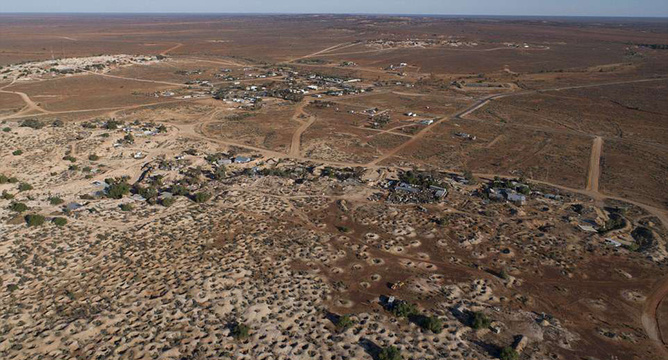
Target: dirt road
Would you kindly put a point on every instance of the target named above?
(30, 105)
(594, 165)
(137, 79)
(171, 49)
(493, 142)
(323, 51)
(295, 144)
(649, 317)
(484, 101)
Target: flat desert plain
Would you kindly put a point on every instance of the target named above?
(333, 187)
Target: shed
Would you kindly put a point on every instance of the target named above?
(242, 159)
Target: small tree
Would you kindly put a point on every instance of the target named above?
(404, 309)
(480, 321)
(201, 197)
(240, 331)
(468, 175)
(344, 322)
(179, 190)
(17, 152)
(118, 189)
(219, 173)
(6, 196)
(34, 220)
(25, 187)
(149, 193)
(168, 201)
(54, 200)
(432, 323)
(508, 353)
(18, 207)
(126, 207)
(59, 221)
(390, 353)
(343, 229)
(112, 124)
(32, 123)
(93, 157)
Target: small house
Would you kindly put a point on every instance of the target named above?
(242, 160)
(517, 199)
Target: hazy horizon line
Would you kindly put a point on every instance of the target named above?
(331, 13)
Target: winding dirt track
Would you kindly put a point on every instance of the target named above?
(30, 105)
(295, 144)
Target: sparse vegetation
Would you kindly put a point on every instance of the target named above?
(168, 201)
(59, 221)
(468, 175)
(201, 197)
(179, 190)
(431, 323)
(344, 322)
(117, 188)
(112, 124)
(18, 207)
(508, 353)
(219, 173)
(54, 200)
(614, 222)
(331, 215)
(34, 220)
(643, 236)
(6, 195)
(390, 353)
(32, 123)
(343, 229)
(149, 193)
(404, 309)
(479, 320)
(240, 331)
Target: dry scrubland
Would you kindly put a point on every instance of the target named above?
(332, 187)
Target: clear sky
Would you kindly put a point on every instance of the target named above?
(657, 8)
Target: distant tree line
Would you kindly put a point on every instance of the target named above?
(655, 46)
